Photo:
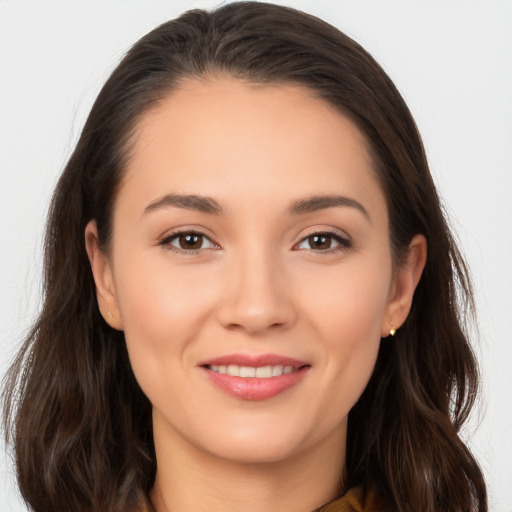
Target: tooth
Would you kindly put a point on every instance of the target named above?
(233, 370)
(263, 372)
(277, 371)
(247, 371)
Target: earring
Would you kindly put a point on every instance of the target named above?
(109, 314)
(392, 331)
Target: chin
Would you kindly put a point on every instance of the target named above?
(266, 452)
(256, 444)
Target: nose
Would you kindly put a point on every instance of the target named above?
(256, 296)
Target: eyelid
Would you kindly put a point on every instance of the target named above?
(344, 241)
(165, 240)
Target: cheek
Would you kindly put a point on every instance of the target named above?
(154, 295)
(346, 313)
(163, 309)
(348, 304)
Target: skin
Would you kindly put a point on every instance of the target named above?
(256, 286)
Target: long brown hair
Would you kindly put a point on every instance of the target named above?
(81, 426)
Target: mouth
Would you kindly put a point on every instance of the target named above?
(249, 372)
(255, 378)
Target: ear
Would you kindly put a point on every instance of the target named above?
(103, 278)
(405, 280)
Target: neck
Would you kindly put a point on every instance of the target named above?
(190, 479)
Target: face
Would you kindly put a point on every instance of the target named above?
(250, 268)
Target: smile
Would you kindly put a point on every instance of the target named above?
(260, 377)
(261, 372)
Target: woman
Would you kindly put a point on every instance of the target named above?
(250, 289)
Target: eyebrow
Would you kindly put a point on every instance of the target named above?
(209, 205)
(315, 203)
(188, 202)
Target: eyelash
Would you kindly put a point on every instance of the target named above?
(166, 242)
(343, 243)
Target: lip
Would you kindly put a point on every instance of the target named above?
(249, 388)
(254, 360)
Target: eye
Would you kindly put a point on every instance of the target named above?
(188, 241)
(324, 242)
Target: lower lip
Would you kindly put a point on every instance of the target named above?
(252, 388)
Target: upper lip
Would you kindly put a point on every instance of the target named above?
(254, 361)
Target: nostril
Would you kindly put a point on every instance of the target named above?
(255, 312)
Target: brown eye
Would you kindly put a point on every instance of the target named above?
(324, 242)
(320, 242)
(190, 241)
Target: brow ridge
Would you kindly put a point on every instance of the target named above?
(188, 202)
(209, 205)
(315, 203)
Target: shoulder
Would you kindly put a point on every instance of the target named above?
(354, 500)
(147, 507)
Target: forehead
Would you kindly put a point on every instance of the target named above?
(266, 141)
(226, 102)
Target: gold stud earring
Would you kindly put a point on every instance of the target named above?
(392, 331)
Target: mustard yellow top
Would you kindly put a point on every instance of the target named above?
(352, 501)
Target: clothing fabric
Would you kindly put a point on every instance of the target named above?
(353, 500)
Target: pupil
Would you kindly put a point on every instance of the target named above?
(320, 241)
(191, 241)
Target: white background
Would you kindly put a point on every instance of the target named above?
(452, 60)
